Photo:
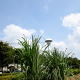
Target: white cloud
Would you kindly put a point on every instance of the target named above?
(73, 39)
(41, 32)
(13, 32)
(61, 45)
(75, 35)
(72, 20)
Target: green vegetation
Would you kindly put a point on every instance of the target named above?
(74, 71)
(55, 65)
(49, 65)
(12, 76)
(73, 63)
(6, 52)
(37, 64)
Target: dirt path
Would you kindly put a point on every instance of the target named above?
(75, 77)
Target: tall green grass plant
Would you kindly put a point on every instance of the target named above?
(48, 65)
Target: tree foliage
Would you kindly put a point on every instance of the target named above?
(73, 62)
(5, 54)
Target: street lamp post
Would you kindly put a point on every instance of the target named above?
(48, 42)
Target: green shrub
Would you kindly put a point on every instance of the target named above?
(48, 65)
(55, 65)
(75, 71)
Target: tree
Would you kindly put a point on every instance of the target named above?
(17, 56)
(73, 62)
(5, 54)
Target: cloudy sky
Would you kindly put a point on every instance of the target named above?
(55, 19)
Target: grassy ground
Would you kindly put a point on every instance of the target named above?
(8, 77)
(11, 76)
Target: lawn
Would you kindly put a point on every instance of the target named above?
(10, 77)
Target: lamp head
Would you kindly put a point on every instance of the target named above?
(48, 41)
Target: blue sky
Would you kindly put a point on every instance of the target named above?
(42, 16)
